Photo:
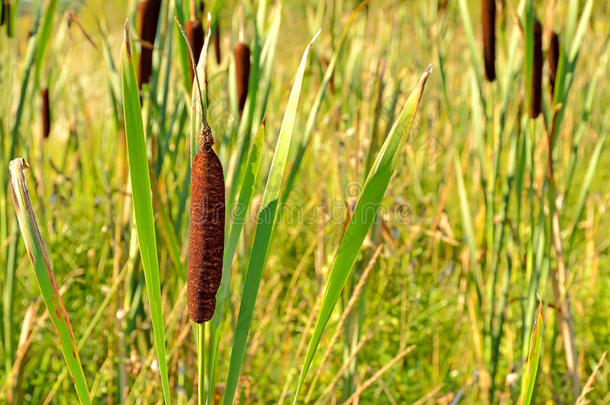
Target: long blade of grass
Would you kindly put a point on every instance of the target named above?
(43, 37)
(264, 231)
(142, 202)
(531, 369)
(238, 213)
(362, 218)
(586, 187)
(46, 280)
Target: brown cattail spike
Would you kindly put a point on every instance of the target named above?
(536, 90)
(206, 240)
(45, 113)
(3, 10)
(242, 73)
(217, 43)
(489, 38)
(149, 17)
(553, 59)
(195, 35)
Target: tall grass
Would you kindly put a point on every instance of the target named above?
(413, 248)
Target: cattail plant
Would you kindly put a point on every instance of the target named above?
(45, 113)
(149, 17)
(553, 60)
(242, 73)
(536, 83)
(207, 221)
(489, 38)
(206, 239)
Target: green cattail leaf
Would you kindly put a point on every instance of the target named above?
(142, 202)
(43, 36)
(363, 216)
(586, 187)
(237, 215)
(263, 236)
(46, 280)
(528, 381)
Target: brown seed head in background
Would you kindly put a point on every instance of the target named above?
(195, 35)
(217, 43)
(149, 17)
(3, 13)
(206, 239)
(45, 113)
(536, 90)
(553, 59)
(242, 73)
(489, 38)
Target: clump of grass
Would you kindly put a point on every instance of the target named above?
(242, 73)
(489, 38)
(45, 113)
(553, 60)
(149, 17)
(536, 82)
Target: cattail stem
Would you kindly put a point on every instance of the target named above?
(45, 113)
(489, 38)
(242, 73)
(536, 82)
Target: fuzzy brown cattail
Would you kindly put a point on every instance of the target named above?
(45, 113)
(217, 43)
(149, 17)
(206, 239)
(242, 73)
(553, 59)
(536, 83)
(3, 13)
(489, 38)
(195, 35)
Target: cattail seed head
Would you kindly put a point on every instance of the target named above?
(149, 17)
(45, 113)
(489, 38)
(536, 83)
(553, 60)
(4, 8)
(217, 43)
(206, 239)
(242, 73)
(195, 35)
